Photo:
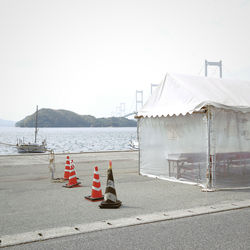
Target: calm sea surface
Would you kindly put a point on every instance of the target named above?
(69, 139)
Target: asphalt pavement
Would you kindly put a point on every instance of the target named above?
(226, 230)
(31, 201)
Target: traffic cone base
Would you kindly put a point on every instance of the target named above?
(73, 185)
(94, 199)
(105, 204)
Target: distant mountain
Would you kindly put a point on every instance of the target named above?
(6, 123)
(65, 118)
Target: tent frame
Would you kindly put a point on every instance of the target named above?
(210, 185)
(211, 157)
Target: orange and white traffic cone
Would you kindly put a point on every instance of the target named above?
(67, 168)
(73, 166)
(72, 178)
(96, 194)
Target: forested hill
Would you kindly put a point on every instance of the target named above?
(65, 118)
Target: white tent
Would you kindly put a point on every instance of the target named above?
(197, 130)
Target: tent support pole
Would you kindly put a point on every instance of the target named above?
(211, 157)
(139, 148)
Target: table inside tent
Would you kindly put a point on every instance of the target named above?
(191, 164)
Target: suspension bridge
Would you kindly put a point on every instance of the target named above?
(121, 111)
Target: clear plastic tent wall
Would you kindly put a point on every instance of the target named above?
(230, 148)
(197, 129)
(211, 150)
(174, 148)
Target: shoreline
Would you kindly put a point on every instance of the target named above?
(68, 153)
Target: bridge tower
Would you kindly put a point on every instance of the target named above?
(139, 99)
(153, 86)
(218, 64)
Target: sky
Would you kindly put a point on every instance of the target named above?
(89, 56)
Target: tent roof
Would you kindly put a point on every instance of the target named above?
(182, 94)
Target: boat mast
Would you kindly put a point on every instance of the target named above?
(36, 122)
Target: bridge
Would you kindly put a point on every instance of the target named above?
(139, 93)
(120, 110)
(132, 113)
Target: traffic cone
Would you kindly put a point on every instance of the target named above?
(96, 194)
(72, 178)
(74, 167)
(110, 199)
(67, 169)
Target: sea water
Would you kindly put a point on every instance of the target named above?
(63, 140)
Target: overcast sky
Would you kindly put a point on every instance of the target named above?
(88, 56)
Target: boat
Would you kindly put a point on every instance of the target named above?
(23, 147)
(133, 144)
(30, 147)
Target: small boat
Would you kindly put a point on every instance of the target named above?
(133, 144)
(23, 147)
(31, 147)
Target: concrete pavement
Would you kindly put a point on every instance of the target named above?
(31, 202)
(226, 230)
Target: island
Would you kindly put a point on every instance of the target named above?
(65, 118)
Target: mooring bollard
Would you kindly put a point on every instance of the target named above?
(52, 165)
